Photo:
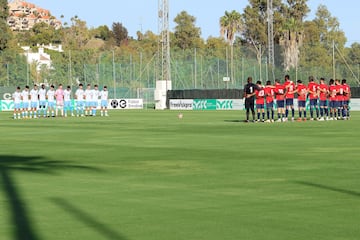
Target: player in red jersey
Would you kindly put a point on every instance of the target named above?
(270, 96)
(313, 97)
(332, 99)
(323, 97)
(280, 100)
(289, 97)
(339, 97)
(301, 90)
(260, 102)
(346, 100)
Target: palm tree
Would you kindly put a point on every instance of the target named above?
(292, 32)
(230, 25)
(292, 41)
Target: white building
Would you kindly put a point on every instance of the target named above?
(40, 58)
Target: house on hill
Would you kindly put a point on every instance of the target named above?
(23, 16)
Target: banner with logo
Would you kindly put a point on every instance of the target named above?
(8, 105)
(126, 104)
(206, 104)
(230, 104)
(181, 104)
(355, 104)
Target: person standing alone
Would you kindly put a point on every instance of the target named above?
(249, 90)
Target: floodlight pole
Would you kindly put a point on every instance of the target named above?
(271, 50)
(164, 40)
(114, 76)
(333, 58)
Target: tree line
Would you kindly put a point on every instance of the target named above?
(300, 45)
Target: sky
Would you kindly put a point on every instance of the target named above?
(141, 15)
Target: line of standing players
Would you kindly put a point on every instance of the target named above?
(36, 102)
(327, 101)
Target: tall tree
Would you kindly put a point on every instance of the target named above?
(354, 53)
(230, 25)
(120, 33)
(329, 28)
(149, 42)
(312, 52)
(4, 29)
(254, 18)
(77, 35)
(215, 47)
(292, 32)
(102, 32)
(187, 35)
(42, 33)
(255, 22)
(318, 39)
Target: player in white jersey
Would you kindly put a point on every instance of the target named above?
(67, 101)
(104, 94)
(95, 99)
(79, 96)
(50, 95)
(17, 103)
(42, 101)
(25, 97)
(34, 97)
(88, 100)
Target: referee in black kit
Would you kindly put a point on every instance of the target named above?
(249, 95)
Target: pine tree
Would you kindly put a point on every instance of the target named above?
(120, 33)
(187, 35)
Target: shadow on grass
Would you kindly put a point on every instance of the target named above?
(19, 213)
(324, 187)
(87, 219)
(235, 121)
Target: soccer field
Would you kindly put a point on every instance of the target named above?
(149, 175)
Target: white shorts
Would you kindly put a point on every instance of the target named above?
(59, 103)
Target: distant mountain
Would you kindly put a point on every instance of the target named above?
(24, 15)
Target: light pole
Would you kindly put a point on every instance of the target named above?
(27, 73)
(70, 69)
(27, 67)
(114, 76)
(260, 63)
(7, 73)
(195, 68)
(99, 69)
(140, 49)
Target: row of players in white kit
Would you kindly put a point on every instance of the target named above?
(39, 102)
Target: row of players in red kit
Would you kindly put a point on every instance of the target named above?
(326, 101)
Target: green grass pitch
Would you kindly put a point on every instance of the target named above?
(149, 175)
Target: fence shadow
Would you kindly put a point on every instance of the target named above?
(329, 188)
(20, 218)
